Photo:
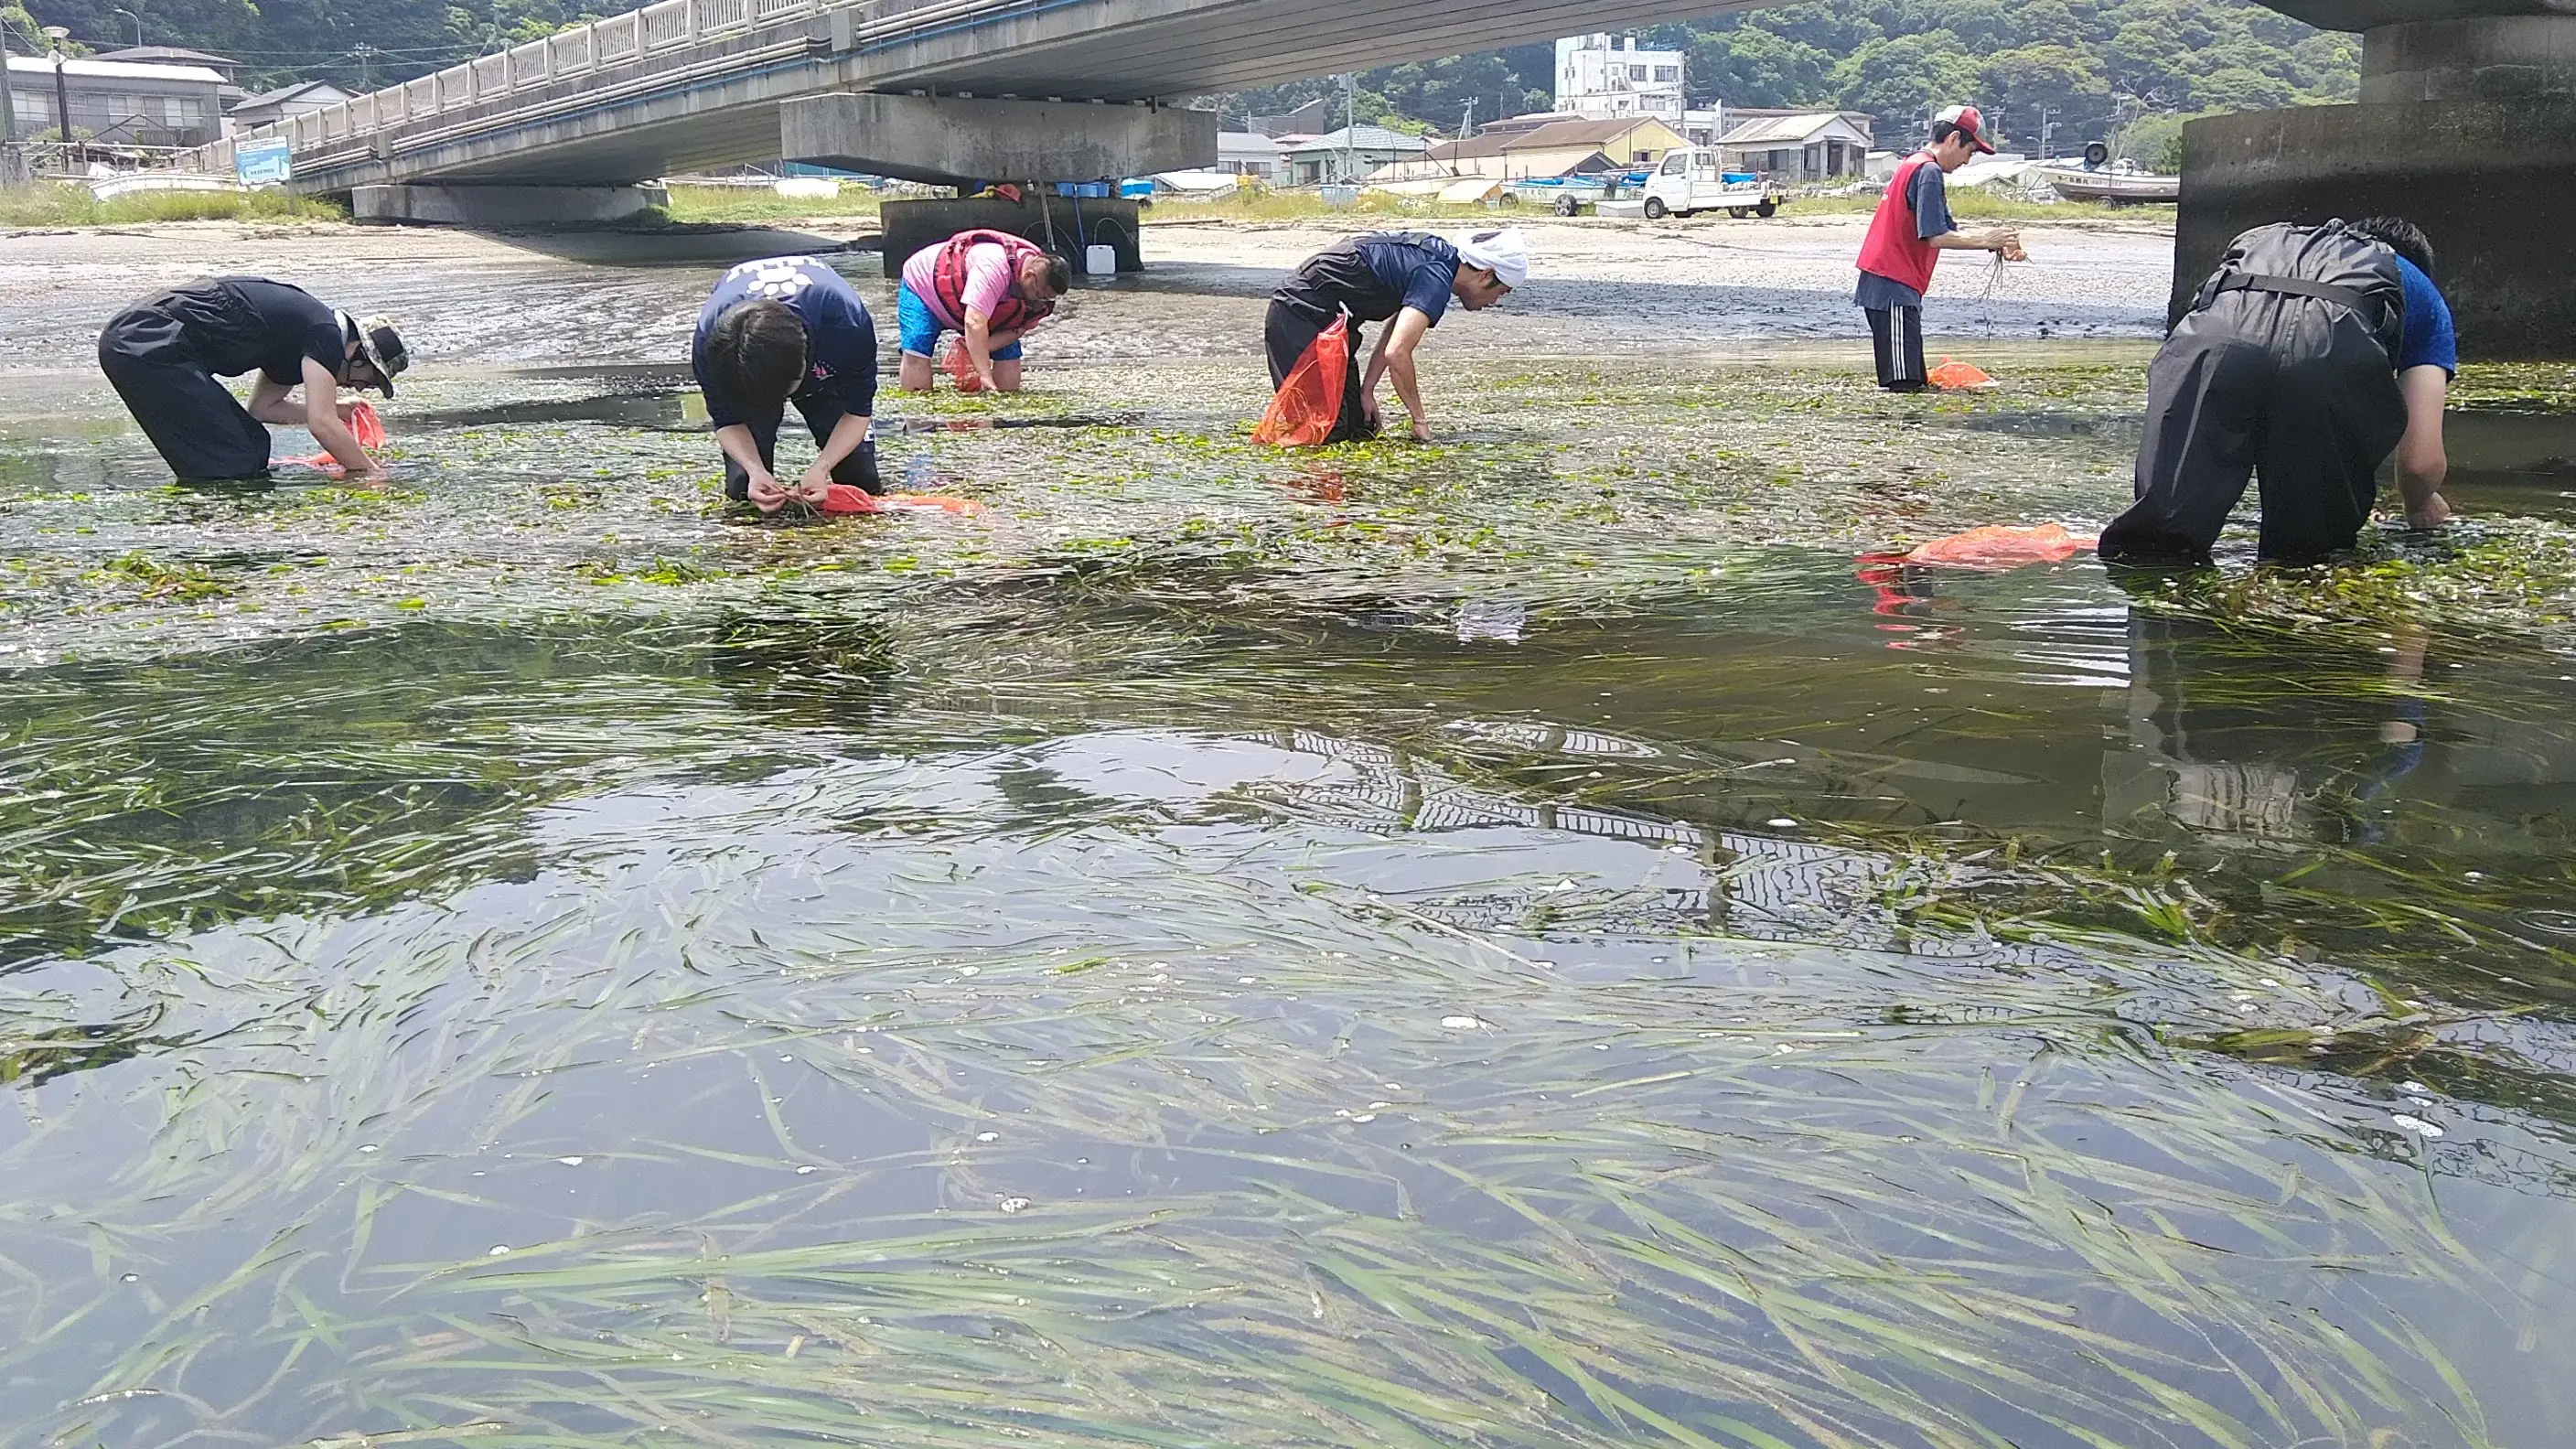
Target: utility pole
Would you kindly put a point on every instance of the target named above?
(8, 118)
(2047, 128)
(1350, 120)
(62, 91)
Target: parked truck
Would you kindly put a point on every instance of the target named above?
(1692, 178)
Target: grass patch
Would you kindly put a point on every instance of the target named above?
(60, 203)
(745, 203)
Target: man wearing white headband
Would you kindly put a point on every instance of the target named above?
(1404, 278)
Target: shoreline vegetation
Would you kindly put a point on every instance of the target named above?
(700, 205)
(64, 204)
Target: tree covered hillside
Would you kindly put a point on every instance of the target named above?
(348, 41)
(2091, 63)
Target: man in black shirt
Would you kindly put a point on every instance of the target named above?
(1407, 276)
(164, 354)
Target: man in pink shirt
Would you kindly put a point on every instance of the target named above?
(988, 287)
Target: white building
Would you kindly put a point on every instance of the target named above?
(1601, 81)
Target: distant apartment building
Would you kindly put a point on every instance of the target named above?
(116, 102)
(1599, 80)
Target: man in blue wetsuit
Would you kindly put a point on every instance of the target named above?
(788, 329)
(2309, 357)
(1406, 277)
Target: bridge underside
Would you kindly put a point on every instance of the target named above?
(722, 106)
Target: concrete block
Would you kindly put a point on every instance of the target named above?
(2491, 57)
(1073, 226)
(949, 139)
(502, 205)
(2492, 183)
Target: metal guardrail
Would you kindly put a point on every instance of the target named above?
(337, 134)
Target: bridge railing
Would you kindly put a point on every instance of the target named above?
(341, 132)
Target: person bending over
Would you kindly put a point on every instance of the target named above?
(1405, 278)
(2307, 359)
(164, 354)
(988, 287)
(788, 330)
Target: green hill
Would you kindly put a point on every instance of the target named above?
(2091, 65)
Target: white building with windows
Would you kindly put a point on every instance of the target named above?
(115, 102)
(1601, 81)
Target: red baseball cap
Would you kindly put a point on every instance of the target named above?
(1971, 125)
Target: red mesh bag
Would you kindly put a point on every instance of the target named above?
(1308, 404)
(961, 366)
(850, 498)
(364, 425)
(1998, 547)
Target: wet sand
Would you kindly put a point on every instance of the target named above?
(1599, 288)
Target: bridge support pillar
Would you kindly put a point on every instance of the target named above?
(2465, 127)
(502, 205)
(1076, 225)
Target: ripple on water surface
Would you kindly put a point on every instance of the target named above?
(1517, 943)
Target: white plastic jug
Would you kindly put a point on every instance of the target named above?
(1100, 261)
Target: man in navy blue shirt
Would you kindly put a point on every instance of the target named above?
(1408, 277)
(788, 329)
(2310, 357)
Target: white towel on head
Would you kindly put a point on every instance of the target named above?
(1504, 253)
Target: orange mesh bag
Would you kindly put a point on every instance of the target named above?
(1308, 404)
(961, 366)
(850, 498)
(364, 425)
(1999, 547)
(1956, 375)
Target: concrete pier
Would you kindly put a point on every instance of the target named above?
(500, 206)
(2465, 126)
(1068, 225)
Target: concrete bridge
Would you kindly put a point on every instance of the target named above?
(934, 90)
(2466, 125)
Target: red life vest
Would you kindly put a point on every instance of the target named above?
(1893, 249)
(1013, 313)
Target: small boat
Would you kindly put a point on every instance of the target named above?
(2121, 183)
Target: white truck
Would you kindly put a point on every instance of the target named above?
(1692, 178)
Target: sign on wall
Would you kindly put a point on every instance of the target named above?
(262, 163)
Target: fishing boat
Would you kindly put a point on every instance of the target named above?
(2121, 183)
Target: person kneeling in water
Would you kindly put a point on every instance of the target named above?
(988, 287)
(788, 329)
(2310, 357)
(1407, 276)
(164, 354)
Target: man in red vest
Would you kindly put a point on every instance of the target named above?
(988, 287)
(1906, 239)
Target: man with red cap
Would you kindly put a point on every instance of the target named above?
(1906, 240)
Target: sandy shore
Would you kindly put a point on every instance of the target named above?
(1597, 287)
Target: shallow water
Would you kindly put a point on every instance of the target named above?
(1524, 941)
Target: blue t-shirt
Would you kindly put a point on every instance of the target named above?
(1927, 195)
(840, 337)
(1416, 267)
(2429, 339)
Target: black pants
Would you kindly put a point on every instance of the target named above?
(2293, 389)
(200, 428)
(822, 415)
(1896, 336)
(1286, 334)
